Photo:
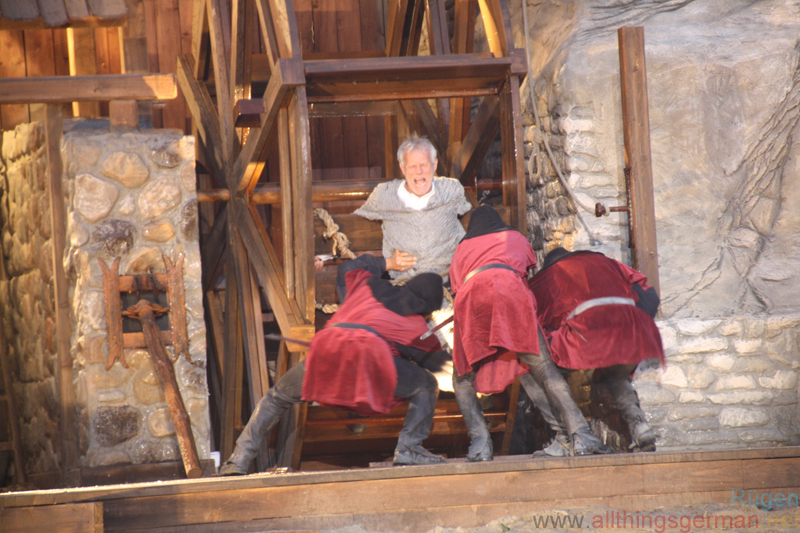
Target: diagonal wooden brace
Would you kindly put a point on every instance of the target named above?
(145, 312)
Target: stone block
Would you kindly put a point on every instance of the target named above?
(703, 345)
(127, 168)
(785, 398)
(763, 436)
(653, 395)
(694, 328)
(691, 413)
(700, 377)
(782, 380)
(158, 197)
(738, 381)
(721, 362)
(674, 377)
(160, 231)
(738, 417)
(712, 439)
(747, 346)
(730, 327)
(754, 365)
(752, 397)
(701, 424)
(188, 176)
(113, 425)
(690, 397)
(789, 359)
(94, 198)
(159, 422)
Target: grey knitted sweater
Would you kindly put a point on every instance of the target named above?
(431, 235)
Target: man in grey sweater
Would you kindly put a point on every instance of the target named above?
(418, 214)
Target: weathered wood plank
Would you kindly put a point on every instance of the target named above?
(513, 155)
(54, 89)
(107, 8)
(233, 370)
(64, 377)
(168, 24)
(287, 74)
(285, 186)
(479, 138)
(12, 66)
(40, 61)
(82, 63)
(636, 133)
(65, 518)
(302, 199)
(205, 117)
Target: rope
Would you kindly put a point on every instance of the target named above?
(546, 136)
(340, 240)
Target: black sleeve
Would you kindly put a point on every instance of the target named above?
(374, 265)
(432, 361)
(648, 299)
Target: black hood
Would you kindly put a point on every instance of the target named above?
(483, 221)
(421, 295)
(557, 254)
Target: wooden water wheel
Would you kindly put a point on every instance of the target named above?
(300, 103)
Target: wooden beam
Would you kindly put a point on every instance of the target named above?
(463, 43)
(233, 370)
(287, 74)
(398, 14)
(64, 375)
(56, 89)
(82, 63)
(636, 131)
(64, 518)
(303, 217)
(242, 12)
(214, 250)
(200, 39)
(405, 77)
(123, 114)
(513, 155)
(480, 136)
(218, 26)
(285, 186)
(322, 191)
(202, 110)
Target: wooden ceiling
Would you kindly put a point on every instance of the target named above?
(38, 14)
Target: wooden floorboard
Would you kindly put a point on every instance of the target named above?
(420, 498)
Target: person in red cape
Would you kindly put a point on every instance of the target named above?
(598, 315)
(497, 337)
(357, 363)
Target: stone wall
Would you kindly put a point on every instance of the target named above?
(26, 293)
(723, 88)
(131, 195)
(728, 382)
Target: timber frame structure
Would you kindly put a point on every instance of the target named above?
(252, 115)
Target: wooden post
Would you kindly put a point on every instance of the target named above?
(66, 390)
(144, 311)
(636, 131)
(124, 114)
(513, 154)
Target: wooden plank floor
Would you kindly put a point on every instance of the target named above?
(417, 499)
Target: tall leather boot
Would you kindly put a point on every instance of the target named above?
(420, 387)
(617, 380)
(266, 414)
(546, 374)
(480, 445)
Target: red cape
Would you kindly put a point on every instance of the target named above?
(353, 368)
(600, 336)
(495, 313)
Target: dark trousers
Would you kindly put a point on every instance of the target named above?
(413, 383)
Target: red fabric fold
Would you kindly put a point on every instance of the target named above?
(495, 312)
(600, 336)
(354, 369)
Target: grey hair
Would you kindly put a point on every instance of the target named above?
(415, 142)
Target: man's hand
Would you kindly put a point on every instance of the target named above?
(400, 261)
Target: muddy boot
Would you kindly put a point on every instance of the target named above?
(558, 447)
(265, 416)
(643, 437)
(415, 455)
(584, 442)
(480, 445)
